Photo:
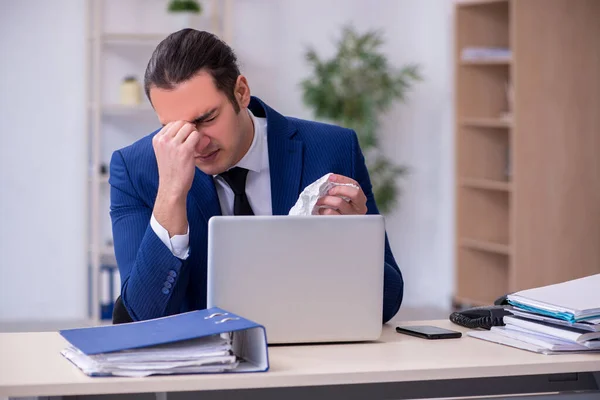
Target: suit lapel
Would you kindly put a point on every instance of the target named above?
(285, 157)
(285, 163)
(204, 194)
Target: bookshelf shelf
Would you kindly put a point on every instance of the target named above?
(467, 3)
(485, 123)
(484, 62)
(485, 184)
(483, 245)
(150, 39)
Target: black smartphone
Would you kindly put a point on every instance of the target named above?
(428, 332)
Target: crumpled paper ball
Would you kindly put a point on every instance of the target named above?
(306, 204)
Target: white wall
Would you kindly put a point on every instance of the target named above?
(42, 160)
(420, 134)
(270, 38)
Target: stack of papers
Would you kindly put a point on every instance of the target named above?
(573, 301)
(555, 319)
(210, 354)
(203, 341)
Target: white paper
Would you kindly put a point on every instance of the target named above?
(181, 351)
(207, 354)
(571, 334)
(306, 203)
(580, 297)
(590, 325)
(538, 339)
(495, 337)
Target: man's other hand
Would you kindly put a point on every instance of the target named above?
(343, 200)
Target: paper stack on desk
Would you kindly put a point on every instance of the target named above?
(204, 341)
(560, 318)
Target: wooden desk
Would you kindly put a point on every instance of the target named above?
(397, 366)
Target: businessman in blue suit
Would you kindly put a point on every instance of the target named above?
(220, 151)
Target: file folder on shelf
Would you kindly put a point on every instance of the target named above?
(203, 341)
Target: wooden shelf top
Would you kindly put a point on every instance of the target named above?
(491, 61)
(483, 245)
(486, 122)
(486, 184)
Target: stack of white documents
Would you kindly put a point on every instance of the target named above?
(560, 318)
(202, 355)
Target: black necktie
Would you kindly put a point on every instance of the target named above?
(236, 179)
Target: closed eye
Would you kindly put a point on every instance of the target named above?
(208, 121)
(204, 120)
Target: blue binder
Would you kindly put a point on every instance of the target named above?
(248, 339)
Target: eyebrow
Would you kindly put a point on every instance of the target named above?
(202, 118)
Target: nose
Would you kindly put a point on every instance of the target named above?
(203, 143)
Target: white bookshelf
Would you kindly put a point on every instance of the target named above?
(115, 49)
(122, 110)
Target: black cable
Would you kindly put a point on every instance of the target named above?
(480, 317)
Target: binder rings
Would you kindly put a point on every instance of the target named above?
(203, 341)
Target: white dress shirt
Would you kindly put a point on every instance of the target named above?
(258, 188)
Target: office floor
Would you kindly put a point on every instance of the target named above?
(405, 314)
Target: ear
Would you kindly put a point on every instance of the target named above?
(242, 91)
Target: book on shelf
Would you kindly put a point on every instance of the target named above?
(485, 54)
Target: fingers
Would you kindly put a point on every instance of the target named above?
(175, 133)
(342, 179)
(355, 195)
(179, 137)
(337, 203)
(357, 198)
(183, 133)
(328, 211)
(171, 129)
(196, 142)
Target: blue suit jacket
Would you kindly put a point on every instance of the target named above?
(154, 282)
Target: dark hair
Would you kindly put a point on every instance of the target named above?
(183, 54)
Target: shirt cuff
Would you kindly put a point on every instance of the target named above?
(178, 244)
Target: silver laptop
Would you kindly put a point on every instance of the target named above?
(306, 279)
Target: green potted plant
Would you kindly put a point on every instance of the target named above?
(184, 13)
(352, 89)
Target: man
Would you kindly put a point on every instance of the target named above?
(219, 152)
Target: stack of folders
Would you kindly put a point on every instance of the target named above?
(204, 341)
(555, 319)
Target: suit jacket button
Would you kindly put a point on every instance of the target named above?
(165, 290)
